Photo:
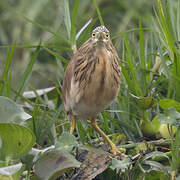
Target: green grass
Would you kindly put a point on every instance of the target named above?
(134, 121)
(6, 69)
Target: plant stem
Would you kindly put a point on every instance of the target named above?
(173, 174)
(161, 142)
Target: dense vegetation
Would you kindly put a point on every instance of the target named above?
(37, 40)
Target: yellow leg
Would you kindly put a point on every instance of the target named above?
(114, 149)
(72, 124)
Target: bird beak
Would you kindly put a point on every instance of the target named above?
(100, 36)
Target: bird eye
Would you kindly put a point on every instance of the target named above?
(93, 34)
(107, 35)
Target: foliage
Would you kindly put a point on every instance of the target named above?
(35, 50)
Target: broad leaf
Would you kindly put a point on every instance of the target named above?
(145, 102)
(33, 155)
(11, 112)
(66, 141)
(120, 164)
(167, 103)
(53, 163)
(11, 172)
(51, 91)
(170, 116)
(16, 140)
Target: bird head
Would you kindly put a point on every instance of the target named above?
(100, 35)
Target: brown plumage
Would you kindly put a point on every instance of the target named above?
(92, 80)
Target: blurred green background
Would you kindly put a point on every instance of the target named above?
(118, 15)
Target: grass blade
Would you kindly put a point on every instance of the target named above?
(46, 29)
(61, 58)
(83, 28)
(98, 12)
(8, 86)
(35, 46)
(142, 60)
(141, 43)
(67, 18)
(73, 23)
(133, 79)
(27, 72)
(7, 67)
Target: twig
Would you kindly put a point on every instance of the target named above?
(162, 142)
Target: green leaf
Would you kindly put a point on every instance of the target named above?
(130, 71)
(28, 71)
(154, 154)
(11, 112)
(7, 67)
(175, 151)
(33, 155)
(120, 164)
(145, 102)
(67, 18)
(167, 103)
(142, 60)
(61, 38)
(98, 12)
(148, 165)
(16, 140)
(142, 49)
(170, 116)
(83, 28)
(55, 54)
(73, 22)
(156, 175)
(66, 142)
(53, 163)
(40, 92)
(10, 170)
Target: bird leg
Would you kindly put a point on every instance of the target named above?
(72, 124)
(114, 149)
